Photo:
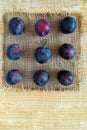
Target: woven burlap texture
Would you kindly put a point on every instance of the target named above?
(27, 64)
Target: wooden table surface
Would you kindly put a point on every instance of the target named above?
(35, 110)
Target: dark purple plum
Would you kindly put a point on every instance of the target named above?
(67, 51)
(42, 27)
(65, 77)
(43, 54)
(41, 77)
(68, 25)
(16, 26)
(14, 52)
(13, 77)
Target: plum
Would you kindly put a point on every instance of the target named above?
(42, 27)
(68, 25)
(65, 77)
(14, 52)
(67, 51)
(41, 77)
(16, 26)
(13, 77)
(43, 54)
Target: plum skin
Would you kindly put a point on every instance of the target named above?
(43, 54)
(67, 51)
(65, 77)
(41, 77)
(68, 25)
(13, 77)
(14, 52)
(42, 27)
(16, 26)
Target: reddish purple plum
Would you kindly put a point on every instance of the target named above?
(67, 51)
(42, 27)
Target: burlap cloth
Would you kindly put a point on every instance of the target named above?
(27, 64)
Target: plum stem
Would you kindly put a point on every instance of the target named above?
(43, 42)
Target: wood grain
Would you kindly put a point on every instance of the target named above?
(36, 110)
